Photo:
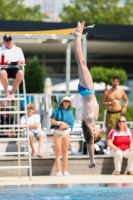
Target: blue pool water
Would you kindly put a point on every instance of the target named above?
(68, 192)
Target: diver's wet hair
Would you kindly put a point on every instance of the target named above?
(88, 135)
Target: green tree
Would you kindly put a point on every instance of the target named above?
(34, 76)
(128, 114)
(16, 10)
(98, 11)
(101, 74)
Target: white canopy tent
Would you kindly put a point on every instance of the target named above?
(61, 87)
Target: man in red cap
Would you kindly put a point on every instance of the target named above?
(12, 55)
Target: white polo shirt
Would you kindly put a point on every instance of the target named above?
(13, 54)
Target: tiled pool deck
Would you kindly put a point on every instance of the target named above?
(72, 179)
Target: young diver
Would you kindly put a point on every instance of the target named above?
(92, 132)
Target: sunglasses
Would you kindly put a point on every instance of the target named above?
(121, 121)
(7, 40)
(66, 101)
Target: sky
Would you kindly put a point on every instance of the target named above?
(58, 5)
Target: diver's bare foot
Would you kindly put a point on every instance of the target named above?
(78, 31)
(82, 25)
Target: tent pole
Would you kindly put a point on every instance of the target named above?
(68, 66)
(84, 46)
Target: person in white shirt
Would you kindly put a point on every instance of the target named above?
(11, 53)
(35, 130)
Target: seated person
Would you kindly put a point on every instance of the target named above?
(6, 119)
(11, 53)
(120, 141)
(34, 127)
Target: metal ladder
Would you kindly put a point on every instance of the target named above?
(16, 127)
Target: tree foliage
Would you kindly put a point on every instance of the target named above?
(101, 74)
(98, 11)
(16, 10)
(34, 76)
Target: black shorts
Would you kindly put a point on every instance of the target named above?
(11, 72)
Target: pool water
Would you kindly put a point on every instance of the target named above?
(68, 192)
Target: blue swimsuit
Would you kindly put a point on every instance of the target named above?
(84, 92)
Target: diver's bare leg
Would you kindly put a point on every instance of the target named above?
(83, 72)
(85, 81)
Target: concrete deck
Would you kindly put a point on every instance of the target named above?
(77, 165)
(72, 179)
